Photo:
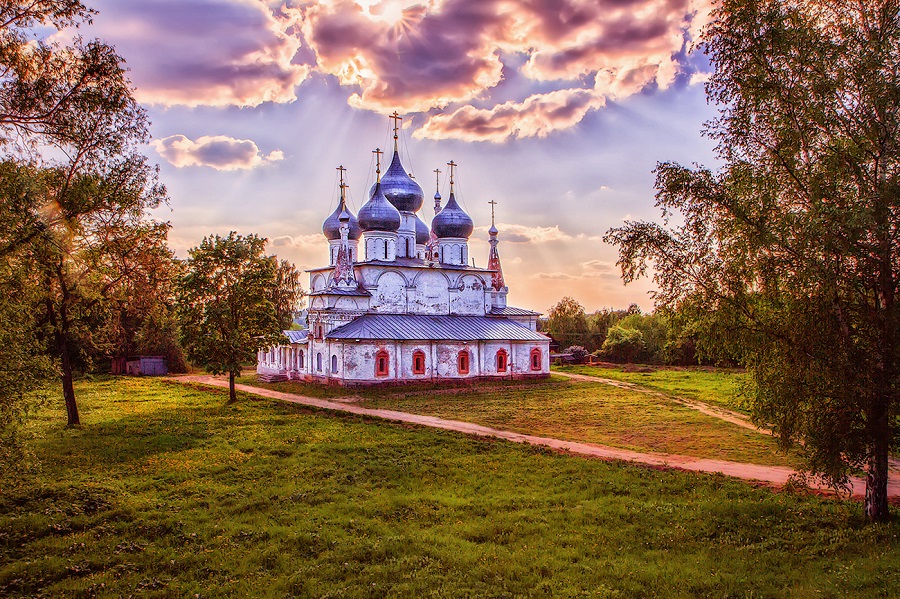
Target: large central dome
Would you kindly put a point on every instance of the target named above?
(400, 189)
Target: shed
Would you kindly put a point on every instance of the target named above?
(146, 366)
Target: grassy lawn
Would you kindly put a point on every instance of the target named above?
(715, 387)
(168, 492)
(588, 412)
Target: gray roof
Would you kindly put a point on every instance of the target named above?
(297, 336)
(421, 327)
(358, 292)
(511, 311)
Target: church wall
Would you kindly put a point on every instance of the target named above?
(390, 295)
(468, 297)
(429, 294)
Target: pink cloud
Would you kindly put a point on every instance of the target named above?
(220, 152)
(537, 115)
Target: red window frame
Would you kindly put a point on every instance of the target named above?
(462, 362)
(382, 363)
(536, 359)
(418, 362)
(502, 360)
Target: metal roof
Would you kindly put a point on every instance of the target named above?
(297, 336)
(511, 311)
(421, 327)
(358, 292)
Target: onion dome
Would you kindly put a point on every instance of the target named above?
(332, 225)
(423, 233)
(452, 221)
(493, 230)
(400, 189)
(378, 214)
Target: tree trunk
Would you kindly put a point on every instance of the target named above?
(232, 395)
(68, 387)
(877, 471)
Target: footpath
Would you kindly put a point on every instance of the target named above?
(772, 475)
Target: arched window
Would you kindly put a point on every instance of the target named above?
(418, 362)
(319, 362)
(381, 363)
(333, 364)
(536, 359)
(462, 362)
(502, 359)
(300, 363)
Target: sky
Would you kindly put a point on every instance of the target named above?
(558, 110)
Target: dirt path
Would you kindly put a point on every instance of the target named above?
(776, 475)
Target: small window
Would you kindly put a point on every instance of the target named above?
(300, 363)
(501, 360)
(381, 363)
(418, 362)
(333, 364)
(462, 362)
(319, 362)
(536, 359)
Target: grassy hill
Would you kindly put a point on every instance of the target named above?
(168, 492)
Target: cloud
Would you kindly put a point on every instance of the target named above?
(442, 59)
(220, 152)
(298, 241)
(537, 116)
(526, 234)
(204, 52)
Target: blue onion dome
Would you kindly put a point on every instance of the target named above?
(378, 214)
(452, 221)
(493, 230)
(400, 189)
(332, 225)
(423, 233)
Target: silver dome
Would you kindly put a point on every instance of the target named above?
(378, 214)
(400, 189)
(423, 233)
(332, 225)
(452, 221)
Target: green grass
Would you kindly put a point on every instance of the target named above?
(166, 491)
(715, 387)
(588, 412)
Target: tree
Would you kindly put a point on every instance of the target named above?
(623, 344)
(78, 219)
(567, 322)
(793, 243)
(232, 301)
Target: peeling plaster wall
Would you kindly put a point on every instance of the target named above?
(390, 295)
(469, 299)
(430, 294)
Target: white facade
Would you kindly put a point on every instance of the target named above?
(410, 312)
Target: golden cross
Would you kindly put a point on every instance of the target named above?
(492, 203)
(452, 166)
(378, 153)
(396, 118)
(341, 169)
(437, 179)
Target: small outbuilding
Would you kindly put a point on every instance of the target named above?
(146, 366)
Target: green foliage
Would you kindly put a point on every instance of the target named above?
(623, 344)
(791, 247)
(74, 188)
(170, 493)
(567, 323)
(232, 301)
(159, 335)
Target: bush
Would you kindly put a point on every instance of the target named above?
(578, 353)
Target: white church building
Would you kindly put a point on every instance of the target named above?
(400, 302)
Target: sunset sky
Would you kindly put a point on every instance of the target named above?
(558, 110)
